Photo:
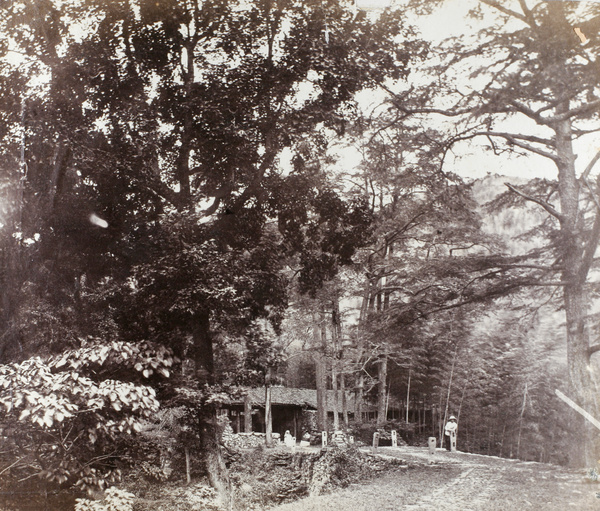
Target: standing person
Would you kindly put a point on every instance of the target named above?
(450, 430)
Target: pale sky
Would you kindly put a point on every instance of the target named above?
(468, 159)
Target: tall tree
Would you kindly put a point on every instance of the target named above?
(426, 236)
(520, 96)
(148, 176)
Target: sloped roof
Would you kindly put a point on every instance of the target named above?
(298, 397)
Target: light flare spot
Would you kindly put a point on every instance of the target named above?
(96, 220)
(581, 35)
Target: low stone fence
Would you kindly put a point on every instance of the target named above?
(246, 440)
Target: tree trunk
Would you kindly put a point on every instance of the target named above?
(359, 396)
(217, 472)
(218, 475)
(450, 387)
(441, 420)
(387, 293)
(268, 413)
(319, 338)
(188, 476)
(336, 334)
(336, 400)
(581, 384)
(462, 398)
(344, 400)
(62, 155)
(360, 378)
(247, 414)
(574, 276)
(502, 440)
(321, 376)
(407, 396)
(521, 420)
(382, 396)
(381, 390)
(387, 399)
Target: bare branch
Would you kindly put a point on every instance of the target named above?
(594, 105)
(531, 148)
(532, 114)
(515, 136)
(577, 132)
(399, 99)
(516, 139)
(463, 248)
(511, 266)
(550, 209)
(590, 248)
(219, 194)
(212, 208)
(590, 166)
(15, 463)
(528, 14)
(501, 8)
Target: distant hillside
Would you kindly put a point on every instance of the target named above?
(511, 222)
(547, 322)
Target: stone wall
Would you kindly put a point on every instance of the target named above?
(245, 440)
(264, 477)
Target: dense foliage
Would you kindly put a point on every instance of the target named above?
(147, 202)
(65, 418)
(175, 221)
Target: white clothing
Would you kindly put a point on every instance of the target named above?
(451, 427)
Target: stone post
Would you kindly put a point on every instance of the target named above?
(453, 441)
(432, 443)
(375, 441)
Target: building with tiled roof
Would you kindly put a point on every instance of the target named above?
(292, 409)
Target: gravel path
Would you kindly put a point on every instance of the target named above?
(461, 482)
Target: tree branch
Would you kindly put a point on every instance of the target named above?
(594, 105)
(590, 249)
(545, 205)
(501, 8)
(15, 463)
(528, 14)
(511, 266)
(593, 349)
(212, 208)
(163, 191)
(590, 166)
(516, 136)
(532, 149)
(399, 99)
(516, 139)
(532, 114)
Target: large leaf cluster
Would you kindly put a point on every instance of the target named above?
(63, 421)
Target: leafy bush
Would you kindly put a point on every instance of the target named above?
(115, 500)
(264, 477)
(63, 418)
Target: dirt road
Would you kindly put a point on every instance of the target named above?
(461, 482)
